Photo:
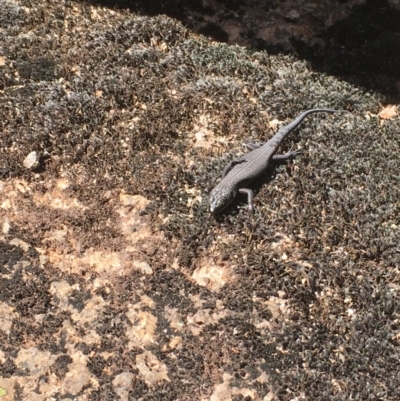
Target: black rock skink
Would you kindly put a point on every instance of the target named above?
(239, 173)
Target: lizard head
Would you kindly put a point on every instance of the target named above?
(220, 198)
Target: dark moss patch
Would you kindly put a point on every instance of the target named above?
(114, 106)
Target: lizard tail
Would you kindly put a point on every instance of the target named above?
(287, 129)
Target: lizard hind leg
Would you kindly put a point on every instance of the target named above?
(287, 156)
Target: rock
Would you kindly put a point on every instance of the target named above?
(31, 161)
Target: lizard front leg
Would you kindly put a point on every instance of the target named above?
(250, 197)
(254, 145)
(230, 166)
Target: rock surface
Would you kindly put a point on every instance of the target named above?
(115, 283)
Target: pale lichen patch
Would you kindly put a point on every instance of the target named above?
(78, 375)
(142, 329)
(175, 343)
(63, 183)
(72, 336)
(2, 356)
(202, 318)
(10, 385)
(226, 392)
(145, 301)
(61, 289)
(103, 262)
(222, 391)
(56, 199)
(33, 361)
(7, 315)
(263, 378)
(122, 384)
(277, 306)
(144, 267)
(174, 318)
(246, 393)
(11, 193)
(22, 244)
(151, 369)
(137, 202)
(202, 136)
(5, 229)
(211, 276)
(90, 312)
(135, 228)
(56, 235)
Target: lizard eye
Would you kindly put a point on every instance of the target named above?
(220, 200)
(215, 202)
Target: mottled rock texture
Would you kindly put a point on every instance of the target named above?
(115, 283)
